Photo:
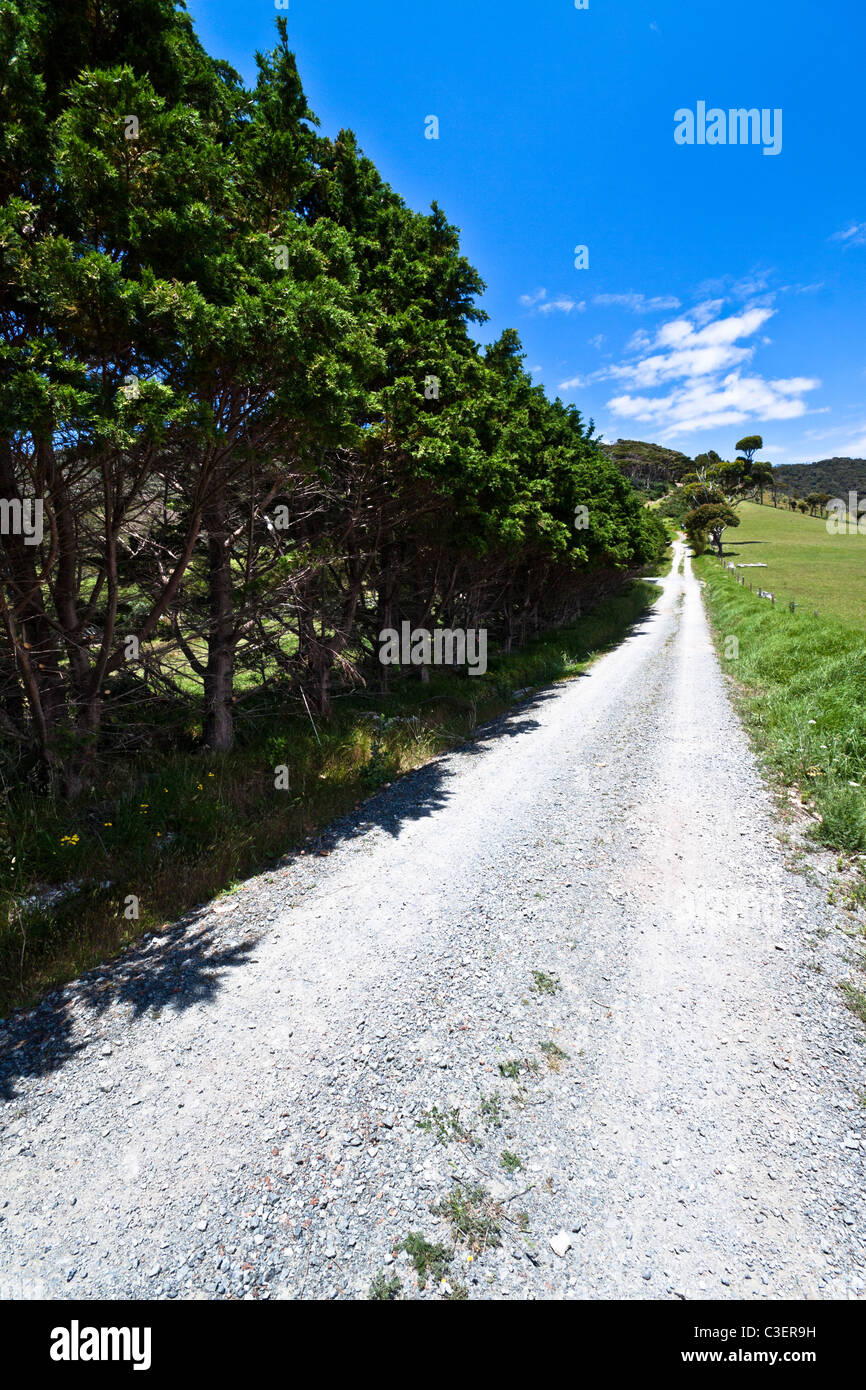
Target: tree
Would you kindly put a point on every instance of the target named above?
(749, 446)
(711, 519)
(762, 477)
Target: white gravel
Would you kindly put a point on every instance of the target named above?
(233, 1109)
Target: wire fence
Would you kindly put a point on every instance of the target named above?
(776, 599)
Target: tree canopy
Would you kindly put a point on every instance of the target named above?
(239, 375)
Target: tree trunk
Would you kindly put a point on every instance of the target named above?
(219, 672)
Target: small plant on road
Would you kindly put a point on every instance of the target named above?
(430, 1261)
(446, 1127)
(855, 999)
(510, 1161)
(542, 983)
(555, 1055)
(491, 1110)
(385, 1290)
(473, 1215)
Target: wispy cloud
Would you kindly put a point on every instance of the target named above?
(683, 350)
(853, 235)
(563, 305)
(638, 303)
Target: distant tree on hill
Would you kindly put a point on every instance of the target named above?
(762, 477)
(816, 502)
(749, 446)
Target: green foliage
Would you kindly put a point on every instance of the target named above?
(430, 1260)
(648, 464)
(385, 1290)
(709, 520)
(835, 476)
(218, 335)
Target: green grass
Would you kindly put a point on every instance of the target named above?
(802, 682)
(804, 562)
(174, 826)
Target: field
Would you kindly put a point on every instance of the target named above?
(804, 562)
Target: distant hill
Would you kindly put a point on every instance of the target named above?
(648, 465)
(837, 476)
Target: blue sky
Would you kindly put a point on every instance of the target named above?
(725, 287)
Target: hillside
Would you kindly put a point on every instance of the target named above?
(837, 476)
(804, 561)
(648, 465)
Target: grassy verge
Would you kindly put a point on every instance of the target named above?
(802, 682)
(174, 829)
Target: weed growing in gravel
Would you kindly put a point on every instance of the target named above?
(555, 1055)
(430, 1261)
(473, 1215)
(855, 999)
(491, 1110)
(446, 1128)
(542, 983)
(510, 1161)
(385, 1290)
(513, 1068)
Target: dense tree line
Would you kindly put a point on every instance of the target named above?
(835, 477)
(237, 372)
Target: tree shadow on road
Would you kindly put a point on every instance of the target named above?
(187, 963)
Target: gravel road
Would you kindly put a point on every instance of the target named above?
(576, 942)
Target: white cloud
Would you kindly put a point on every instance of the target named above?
(706, 311)
(689, 352)
(637, 303)
(853, 235)
(700, 358)
(563, 305)
(574, 384)
(708, 405)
